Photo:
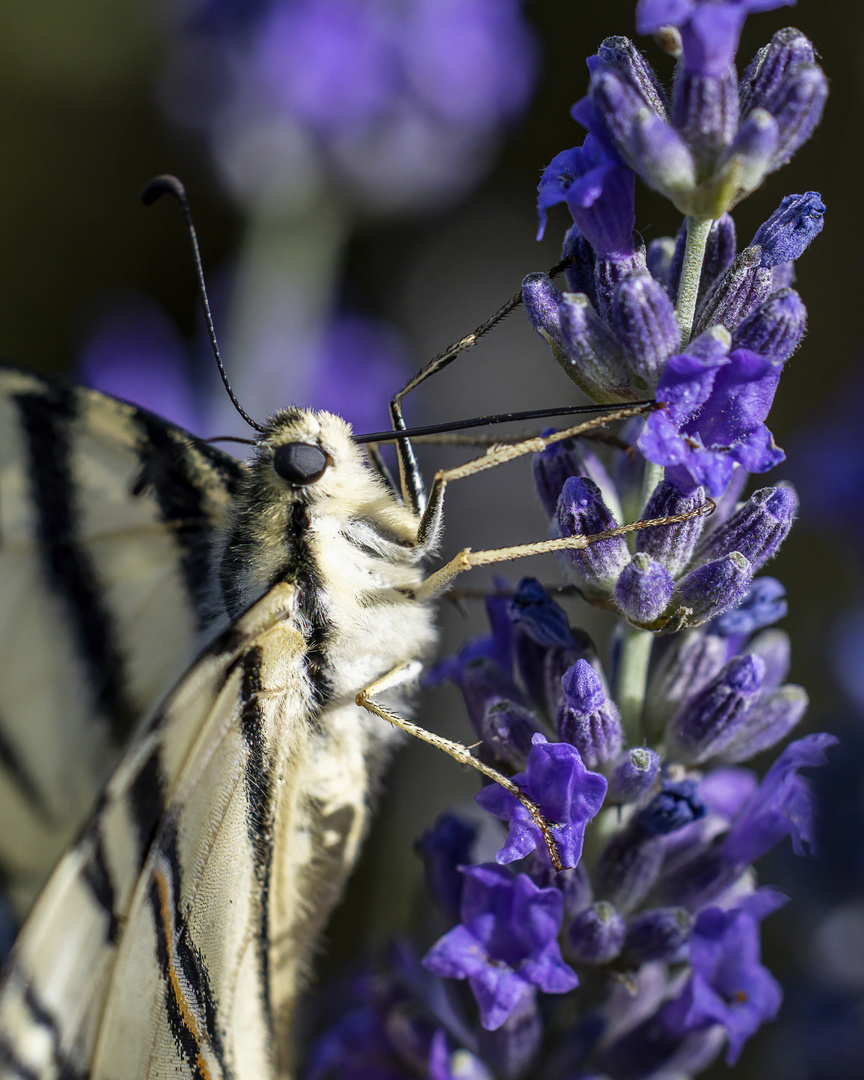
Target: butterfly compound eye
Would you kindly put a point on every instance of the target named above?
(299, 463)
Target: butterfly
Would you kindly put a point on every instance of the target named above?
(204, 664)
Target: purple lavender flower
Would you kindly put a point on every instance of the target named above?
(568, 795)
(506, 945)
(783, 804)
(728, 984)
(710, 29)
(599, 192)
(714, 417)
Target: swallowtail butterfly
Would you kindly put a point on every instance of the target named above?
(189, 635)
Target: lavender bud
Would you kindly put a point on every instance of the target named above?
(742, 289)
(775, 329)
(591, 353)
(610, 271)
(507, 730)
(787, 234)
(644, 322)
(751, 154)
(571, 457)
(633, 776)
(482, 682)
(659, 934)
(771, 719)
(756, 530)
(628, 866)
(705, 112)
(542, 301)
(787, 49)
(715, 587)
(582, 512)
(444, 848)
(596, 935)
(510, 1049)
(621, 53)
(646, 141)
(775, 650)
(587, 718)
(764, 604)
(580, 273)
(713, 717)
(533, 610)
(677, 805)
(643, 589)
(671, 545)
(689, 664)
(697, 881)
(797, 106)
(659, 259)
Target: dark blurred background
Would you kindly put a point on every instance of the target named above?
(301, 221)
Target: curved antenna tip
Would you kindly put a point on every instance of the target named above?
(164, 184)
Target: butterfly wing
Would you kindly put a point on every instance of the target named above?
(173, 938)
(106, 519)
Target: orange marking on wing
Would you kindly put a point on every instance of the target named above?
(189, 1022)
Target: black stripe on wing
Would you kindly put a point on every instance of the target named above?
(190, 1002)
(47, 419)
(180, 475)
(259, 808)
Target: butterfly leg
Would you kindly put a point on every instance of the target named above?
(409, 672)
(467, 559)
(499, 455)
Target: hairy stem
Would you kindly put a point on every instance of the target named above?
(688, 289)
(632, 679)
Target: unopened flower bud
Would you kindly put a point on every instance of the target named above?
(644, 322)
(507, 730)
(751, 154)
(788, 48)
(797, 105)
(741, 290)
(571, 457)
(633, 776)
(671, 545)
(595, 935)
(542, 300)
(627, 868)
(580, 273)
(587, 718)
(592, 356)
(775, 329)
(610, 271)
(770, 720)
(659, 934)
(621, 53)
(643, 589)
(787, 234)
(690, 662)
(756, 530)
(705, 111)
(582, 512)
(712, 718)
(714, 587)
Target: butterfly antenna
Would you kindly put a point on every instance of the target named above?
(170, 185)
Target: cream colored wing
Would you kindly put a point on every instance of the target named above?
(220, 846)
(106, 516)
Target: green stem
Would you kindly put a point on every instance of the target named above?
(688, 289)
(632, 679)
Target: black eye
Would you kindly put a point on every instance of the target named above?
(299, 463)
